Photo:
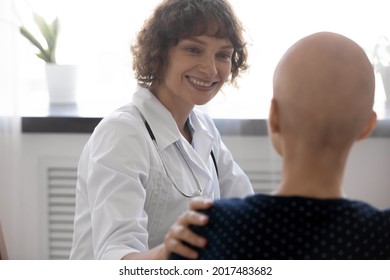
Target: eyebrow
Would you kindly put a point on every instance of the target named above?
(230, 46)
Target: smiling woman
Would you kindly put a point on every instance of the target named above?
(144, 161)
(96, 35)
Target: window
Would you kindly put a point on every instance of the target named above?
(96, 34)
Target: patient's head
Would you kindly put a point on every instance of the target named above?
(323, 93)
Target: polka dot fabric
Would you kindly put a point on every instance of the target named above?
(275, 227)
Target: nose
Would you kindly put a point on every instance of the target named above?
(208, 67)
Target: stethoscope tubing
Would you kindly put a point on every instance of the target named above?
(199, 192)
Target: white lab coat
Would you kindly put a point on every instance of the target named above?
(124, 200)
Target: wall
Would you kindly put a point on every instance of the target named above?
(367, 175)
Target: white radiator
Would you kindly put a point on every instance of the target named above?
(61, 184)
(61, 179)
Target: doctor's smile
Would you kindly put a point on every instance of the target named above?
(200, 83)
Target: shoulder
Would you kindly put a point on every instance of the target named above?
(233, 208)
(121, 128)
(124, 120)
(123, 116)
(366, 209)
(246, 202)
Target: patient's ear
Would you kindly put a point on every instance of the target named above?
(273, 119)
(369, 127)
(274, 126)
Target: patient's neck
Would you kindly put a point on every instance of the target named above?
(317, 178)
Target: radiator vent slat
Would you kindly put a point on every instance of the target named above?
(61, 184)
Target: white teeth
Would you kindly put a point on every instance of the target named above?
(200, 83)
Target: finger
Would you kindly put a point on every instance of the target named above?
(193, 239)
(181, 230)
(181, 249)
(199, 203)
(179, 241)
(192, 217)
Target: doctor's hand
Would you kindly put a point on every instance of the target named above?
(180, 234)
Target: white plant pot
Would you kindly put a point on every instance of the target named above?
(61, 83)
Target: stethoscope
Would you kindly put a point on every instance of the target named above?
(199, 191)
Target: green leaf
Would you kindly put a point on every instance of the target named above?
(43, 56)
(50, 34)
(30, 37)
(54, 31)
(43, 27)
(54, 28)
(34, 41)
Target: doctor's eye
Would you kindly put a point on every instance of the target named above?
(225, 56)
(193, 50)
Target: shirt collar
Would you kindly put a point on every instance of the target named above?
(201, 137)
(164, 126)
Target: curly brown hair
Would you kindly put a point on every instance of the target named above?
(174, 20)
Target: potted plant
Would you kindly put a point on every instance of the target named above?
(61, 79)
(381, 63)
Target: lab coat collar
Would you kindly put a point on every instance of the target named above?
(198, 154)
(164, 126)
(158, 117)
(202, 139)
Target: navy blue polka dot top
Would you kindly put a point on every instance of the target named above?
(277, 227)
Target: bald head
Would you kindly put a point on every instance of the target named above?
(324, 89)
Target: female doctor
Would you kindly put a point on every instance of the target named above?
(145, 161)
